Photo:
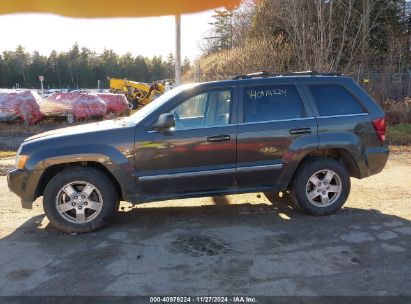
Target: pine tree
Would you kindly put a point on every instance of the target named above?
(221, 35)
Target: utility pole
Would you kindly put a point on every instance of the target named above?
(178, 51)
(41, 78)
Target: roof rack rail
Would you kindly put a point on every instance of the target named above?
(265, 74)
(262, 74)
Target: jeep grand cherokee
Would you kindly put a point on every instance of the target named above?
(304, 133)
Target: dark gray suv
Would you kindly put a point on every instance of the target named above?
(306, 133)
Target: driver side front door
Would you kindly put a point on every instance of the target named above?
(198, 156)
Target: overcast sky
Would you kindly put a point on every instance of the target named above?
(145, 36)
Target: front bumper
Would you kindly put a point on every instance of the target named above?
(24, 183)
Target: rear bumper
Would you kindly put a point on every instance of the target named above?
(375, 159)
(24, 184)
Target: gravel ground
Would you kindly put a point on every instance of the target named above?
(6, 163)
(232, 245)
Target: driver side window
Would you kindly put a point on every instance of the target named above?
(207, 109)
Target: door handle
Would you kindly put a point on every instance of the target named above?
(218, 138)
(300, 131)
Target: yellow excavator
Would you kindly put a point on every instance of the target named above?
(138, 93)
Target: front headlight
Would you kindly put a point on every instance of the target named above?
(21, 159)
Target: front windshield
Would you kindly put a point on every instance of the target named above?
(158, 102)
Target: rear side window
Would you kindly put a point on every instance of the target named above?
(335, 100)
(272, 103)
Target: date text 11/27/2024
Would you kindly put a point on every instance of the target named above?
(203, 299)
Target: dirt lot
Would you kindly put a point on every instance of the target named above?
(234, 245)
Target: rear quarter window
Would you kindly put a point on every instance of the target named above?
(334, 99)
(266, 103)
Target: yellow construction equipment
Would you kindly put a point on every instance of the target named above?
(138, 93)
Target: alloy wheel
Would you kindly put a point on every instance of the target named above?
(79, 202)
(324, 188)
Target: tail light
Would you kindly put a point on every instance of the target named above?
(380, 125)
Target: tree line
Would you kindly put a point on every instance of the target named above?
(80, 67)
(358, 37)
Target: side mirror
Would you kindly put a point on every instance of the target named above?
(165, 122)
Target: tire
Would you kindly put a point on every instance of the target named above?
(132, 104)
(110, 115)
(71, 118)
(316, 180)
(88, 201)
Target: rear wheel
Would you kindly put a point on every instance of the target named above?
(79, 199)
(321, 186)
(110, 115)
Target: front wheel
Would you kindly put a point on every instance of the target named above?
(79, 199)
(132, 105)
(320, 186)
(71, 118)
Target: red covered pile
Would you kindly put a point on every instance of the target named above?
(116, 103)
(20, 105)
(80, 105)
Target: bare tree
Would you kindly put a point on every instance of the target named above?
(327, 35)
